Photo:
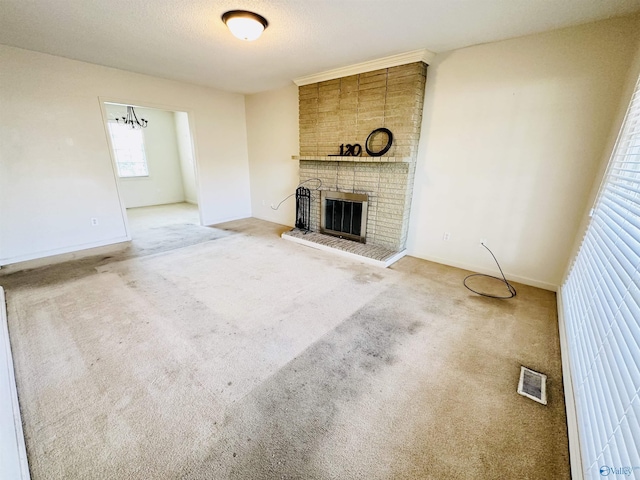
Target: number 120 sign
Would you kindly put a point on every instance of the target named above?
(349, 150)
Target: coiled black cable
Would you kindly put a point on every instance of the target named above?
(512, 290)
(299, 185)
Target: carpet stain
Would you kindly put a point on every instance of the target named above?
(369, 277)
(291, 416)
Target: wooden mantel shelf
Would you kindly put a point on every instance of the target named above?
(320, 158)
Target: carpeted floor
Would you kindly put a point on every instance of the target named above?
(244, 356)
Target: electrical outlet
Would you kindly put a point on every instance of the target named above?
(446, 236)
(483, 241)
(264, 203)
(94, 222)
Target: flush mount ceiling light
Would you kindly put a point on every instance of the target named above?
(245, 25)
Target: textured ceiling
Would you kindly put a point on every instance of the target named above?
(186, 40)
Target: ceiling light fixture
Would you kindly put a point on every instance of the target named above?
(132, 119)
(245, 25)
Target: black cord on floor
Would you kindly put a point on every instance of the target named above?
(512, 290)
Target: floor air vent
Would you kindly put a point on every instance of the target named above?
(533, 385)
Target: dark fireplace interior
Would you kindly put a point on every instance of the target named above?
(344, 215)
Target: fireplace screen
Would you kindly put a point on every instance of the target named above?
(344, 215)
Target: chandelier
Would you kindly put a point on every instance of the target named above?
(132, 119)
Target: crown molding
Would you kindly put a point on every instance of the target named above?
(423, 55)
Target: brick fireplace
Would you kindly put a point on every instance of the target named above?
(345, 111)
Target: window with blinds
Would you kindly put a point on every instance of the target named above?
(601, 309)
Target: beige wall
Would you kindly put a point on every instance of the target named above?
(272, 132)
(55, 166)
(187, 160)
(512, 136)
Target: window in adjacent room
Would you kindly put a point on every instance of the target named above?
(128, 148)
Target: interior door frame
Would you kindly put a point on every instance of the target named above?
(171, 108)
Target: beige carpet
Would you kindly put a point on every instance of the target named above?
(250, 357)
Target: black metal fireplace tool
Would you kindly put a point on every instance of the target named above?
(303, 209)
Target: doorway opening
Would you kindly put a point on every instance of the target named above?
(156, 173)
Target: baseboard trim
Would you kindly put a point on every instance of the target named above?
(62, 251)
(272, 220)
(13, 452)
(474, 268)
(225, 220)
(575, 455)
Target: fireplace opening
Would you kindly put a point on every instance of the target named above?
(344, 215)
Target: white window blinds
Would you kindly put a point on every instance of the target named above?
(601, 303)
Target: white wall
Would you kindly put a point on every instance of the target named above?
(272, 132)
(164, 183)
(512, 135)
(185, 154)
(55, 167)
